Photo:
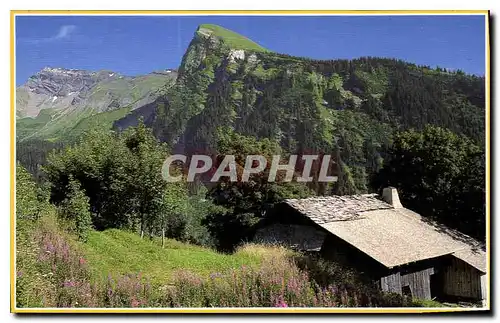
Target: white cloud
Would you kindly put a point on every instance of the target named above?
(64, 33)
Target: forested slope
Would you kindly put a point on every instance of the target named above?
(347, 108)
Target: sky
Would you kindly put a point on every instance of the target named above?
(136, 45)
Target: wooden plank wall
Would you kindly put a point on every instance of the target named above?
(391, 283)
(483, 287)
(419, 282)
(462, 280)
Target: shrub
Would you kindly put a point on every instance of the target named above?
(50, 273)
(76, 209)
(326, 273)
(277, 283)
(27, 202)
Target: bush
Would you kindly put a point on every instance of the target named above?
(49, 271)
(76, 209)
(229, 229)
(196, 232)
(278, 282)
(326, 273)
(28, 205)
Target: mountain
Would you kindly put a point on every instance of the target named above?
(347, 108)
(56, 102)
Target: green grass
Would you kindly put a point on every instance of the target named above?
(427, 303)
(50, 123)
(232, 39)
(58, 127)
(28, 126)
(103, 120)
(118, 252)
(44, 116)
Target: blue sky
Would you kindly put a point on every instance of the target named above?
(141, 44)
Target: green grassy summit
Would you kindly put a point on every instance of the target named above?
(232, 39)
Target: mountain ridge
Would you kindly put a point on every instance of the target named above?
(347, 108)
(54, 100)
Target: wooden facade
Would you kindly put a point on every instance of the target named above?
(463, 281)
(444, 278)
(294, 236)
(484, 291)
(419, 283)
(392, 283)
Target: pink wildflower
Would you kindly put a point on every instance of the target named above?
(69, 283)
(281, 303)
(135, 303)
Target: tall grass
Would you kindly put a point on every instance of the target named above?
(119, 252)
(52, 272)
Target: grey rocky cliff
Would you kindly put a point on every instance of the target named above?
(62, 89)
(61, 82)
(54, 102)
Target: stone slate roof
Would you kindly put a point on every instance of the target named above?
(326, 209)
(392, 236)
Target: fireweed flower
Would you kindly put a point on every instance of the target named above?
(281, 302)
(293, 285)
(43, 257)
(134, 302)
(276, 281)
(49, 247)
(69, 283)
(332, 289)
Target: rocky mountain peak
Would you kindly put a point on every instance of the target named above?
(60, 70)
(62, 82)
(59, 81)
(216, 41)
(66, 93)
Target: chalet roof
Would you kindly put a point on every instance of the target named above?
(392, 236)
